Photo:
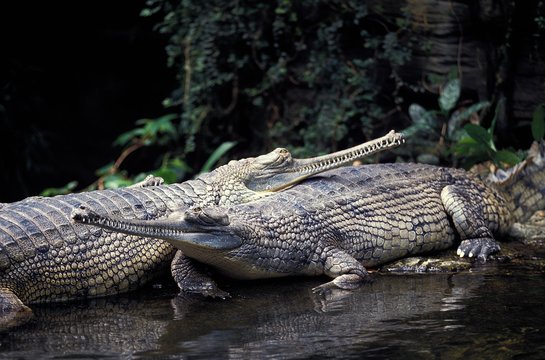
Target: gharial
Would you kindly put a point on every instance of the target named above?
(45, 257)
(345, 219)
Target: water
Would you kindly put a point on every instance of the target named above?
(494, 311)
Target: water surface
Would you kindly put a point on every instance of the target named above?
(494, 311)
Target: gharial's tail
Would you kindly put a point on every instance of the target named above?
(524, 183)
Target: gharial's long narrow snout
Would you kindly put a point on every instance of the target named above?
(296, 170)
(206, 229)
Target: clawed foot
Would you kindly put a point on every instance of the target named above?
(193, 278)
(150, 180)
(324, 288)
(216, 294)
(345, 282)
(479, 248)
(208, 289)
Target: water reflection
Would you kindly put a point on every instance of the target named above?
(109, 326)
(405, 316)
(292, 322)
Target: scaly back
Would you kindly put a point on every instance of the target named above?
(524, 184)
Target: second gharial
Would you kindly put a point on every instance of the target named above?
(346, 219)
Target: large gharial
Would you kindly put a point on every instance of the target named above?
(348, 218)
(45, 257)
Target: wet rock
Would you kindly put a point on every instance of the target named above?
(521, 255)
(448, 262)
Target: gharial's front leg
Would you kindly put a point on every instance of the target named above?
(348, 273)
(465, 207)
(190, 277)
(150, 180)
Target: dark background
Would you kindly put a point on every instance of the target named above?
(72, 78)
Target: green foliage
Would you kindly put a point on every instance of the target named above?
(449, 95)
(66, 189)
(310, 75)
(299, 73)
(423, 121)
(117, 180)
(428, 126)
(160, 131)
(477, 145)
(151, 132)
(454, 129)
(216, 155)
(470, 143)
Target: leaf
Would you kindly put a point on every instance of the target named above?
(68, 188)
(418, 114)
(449, 96)
(481, 135)
(467, 146)
(115, 181)
(149, 130)
(460, 115)
(172, 170)
(169, 175)
(505, 156)
(499, 112)
(257, 101)
(538, 123)
(216, 155)
(128, 136)
(164, 124)
(423, 121)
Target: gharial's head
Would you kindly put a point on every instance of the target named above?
(205, 234)
(278, 170)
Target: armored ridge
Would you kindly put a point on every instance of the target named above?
(348, 218)
(44, 256)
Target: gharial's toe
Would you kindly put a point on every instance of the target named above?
(480, 248)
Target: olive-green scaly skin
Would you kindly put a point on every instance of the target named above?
(341, 221)
(44, 256)
(369, 215)
(345, 219)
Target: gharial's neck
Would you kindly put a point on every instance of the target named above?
(208, 189)
(196, 193)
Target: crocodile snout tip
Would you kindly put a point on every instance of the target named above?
(81, 214)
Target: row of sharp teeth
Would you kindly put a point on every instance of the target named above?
(123, 226)
(354, 155)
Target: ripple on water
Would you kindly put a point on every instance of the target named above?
(471, 315)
